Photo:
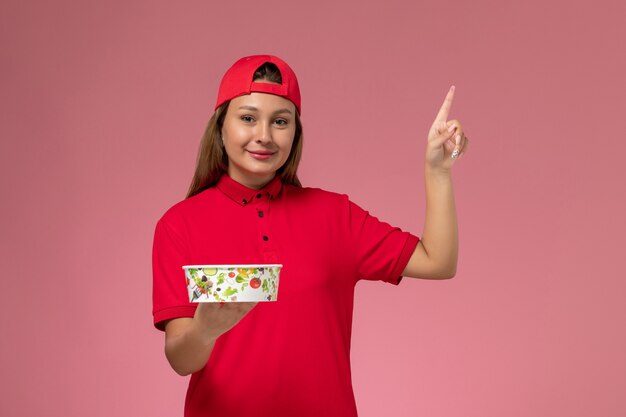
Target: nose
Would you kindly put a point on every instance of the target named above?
(264, 132)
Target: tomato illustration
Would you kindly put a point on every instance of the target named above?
(231, 274)
(255, 283)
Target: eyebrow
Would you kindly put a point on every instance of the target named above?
(255, 109)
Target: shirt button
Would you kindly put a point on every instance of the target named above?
(260, 214)
(259, 195)
(265, 238)
(244, 201)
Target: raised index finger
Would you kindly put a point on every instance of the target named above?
(444, 111)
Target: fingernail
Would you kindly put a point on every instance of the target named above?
(455, 153)
(458, 139)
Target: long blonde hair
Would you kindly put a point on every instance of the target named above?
(212, 160)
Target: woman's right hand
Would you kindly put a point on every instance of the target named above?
(189, 341)
(214, 319)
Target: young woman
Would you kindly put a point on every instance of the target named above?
(246, 206)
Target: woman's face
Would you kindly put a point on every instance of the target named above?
(258, 132)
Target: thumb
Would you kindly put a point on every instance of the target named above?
(443, 132)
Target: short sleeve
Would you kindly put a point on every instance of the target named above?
(381, 251)
(170, 298)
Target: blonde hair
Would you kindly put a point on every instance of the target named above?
(212, 161)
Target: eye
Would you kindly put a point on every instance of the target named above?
(246, 118)
(281, 122)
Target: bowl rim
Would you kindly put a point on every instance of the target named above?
(232, 266)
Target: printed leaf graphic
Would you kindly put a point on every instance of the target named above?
(230, 291)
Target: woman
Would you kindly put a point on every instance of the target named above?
(247, 206)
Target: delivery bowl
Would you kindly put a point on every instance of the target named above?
(232, 283)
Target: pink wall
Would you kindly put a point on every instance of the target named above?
(103, 106)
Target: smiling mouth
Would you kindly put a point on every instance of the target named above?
(261, 156)
(263, 153)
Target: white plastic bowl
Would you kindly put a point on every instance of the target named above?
(232, 283)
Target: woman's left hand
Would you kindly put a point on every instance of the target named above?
(446, 141)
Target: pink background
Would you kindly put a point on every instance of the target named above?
(103, 107)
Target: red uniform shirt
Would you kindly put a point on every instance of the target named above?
(290, 357)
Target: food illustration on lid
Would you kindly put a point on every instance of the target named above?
(206, 283)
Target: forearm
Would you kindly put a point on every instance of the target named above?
(440, 236)
(189, 351)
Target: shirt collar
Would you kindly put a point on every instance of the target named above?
(243, 195)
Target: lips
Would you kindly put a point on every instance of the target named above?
(262, 152)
